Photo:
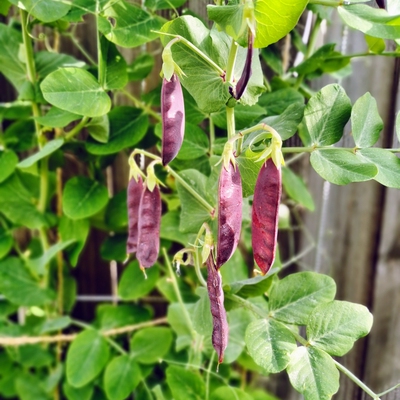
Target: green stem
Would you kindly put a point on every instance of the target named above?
(142, 105)
(44, 184)
(178, 294)
(310, 149)
(188, 188)
(389, 390)
(76, 129)
(75, 41)
(191, 46)
(246, 304)
(197, 268)
(357, 381)
(101, 69)
(208, 375)
(230, 68)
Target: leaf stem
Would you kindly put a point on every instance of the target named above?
(178, 294)
(141, 105)
(196, 50)
(76, 129)
(357, 381)
(388, 390)
(310, 149)
(208, 374)
(101, 69)
(212, 135)
(188, 188)
(329, 3)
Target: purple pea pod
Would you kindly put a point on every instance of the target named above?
(216, 295)
(264, 232)
(229, 213)
(173, 118)
(148, 245)
(246, 74)
(134, 194)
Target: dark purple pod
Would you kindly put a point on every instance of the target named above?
(216, 295)
(148, 245)
(246, 74)
(173, 118)
(134, 194)
(267, 194)
(229, 213)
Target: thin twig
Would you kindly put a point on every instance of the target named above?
(20, 341)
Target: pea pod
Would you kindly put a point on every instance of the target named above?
(216, 295)
(267, 194)
(229, 213)
(134, 194)
(148, 245)
(173, 118)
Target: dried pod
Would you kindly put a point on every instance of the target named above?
(267, 194)
(134, 194)
(216, 295)
(149, 227)
(229, 213)
(244, 79)
(173, 118)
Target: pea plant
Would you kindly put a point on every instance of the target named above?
(197, 225)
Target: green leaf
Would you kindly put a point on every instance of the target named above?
(86, 358)
(19, 287)
(326, 114)
(38, 265)
(99, 128)
(239, 319)
(230, 392)
(128, 126)
(116, 75)
(8, 162)
(55, 324)
(388, 165)
(202, 81)
(121, 377)
(10, 64)
(278, 101)
(30, 387)
(371, 21)
(342, 167)
(116, 215)
(275, 19)
(76, 230)
(185, 384)
(270, 344)
(83, 197)
(46, 150)
(321, 61)
(32, 355)
(82, 393)
(56, 118)
(313, 373)
(375, 45)
(252, 287)
(111, 316)
(195, 145)
(293, 298)
(141, 67)
(46, 11)
(114, 248)
(286, 123)
(296, 189)
(47, 62)
(335, 326)
(366, 122)
(164, 4)
(150, 345)
(20, 135)
(18, 197)
(179, 325)
(201, 314)
(193, 213)
(170, 228)
(77, 91)
(6, 242)
(249, 172)
(128, 25)
(134, 285)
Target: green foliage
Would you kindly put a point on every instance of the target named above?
(73, 123)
